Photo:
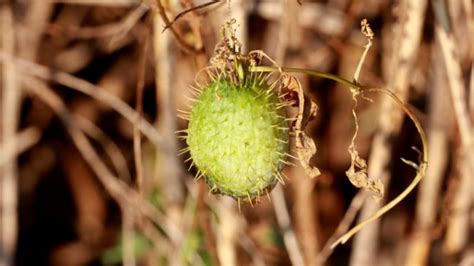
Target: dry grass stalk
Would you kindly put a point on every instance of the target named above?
(114, 3)
(117, 158)
(27, 42)
(89, 200)
(304, 213)
(91, 90)
(458, 227)
(227, 232)
(439, 123)
(166, 23)
(11, 98)
(115, 30)
(31, 30)
(137, 141)
(204, 221)
(457, 231)
(168, 164)
(343, 226)
(283, 218)
(128, 214)
(115, 187)
(128, 235)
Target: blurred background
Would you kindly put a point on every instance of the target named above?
(89, 165)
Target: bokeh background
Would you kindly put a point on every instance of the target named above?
(89, 165)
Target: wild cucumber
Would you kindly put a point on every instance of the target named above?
(238, 136)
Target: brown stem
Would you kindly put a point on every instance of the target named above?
(182, 43)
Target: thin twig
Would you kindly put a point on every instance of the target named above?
(194, 20)
(128, 215)
(367, 31)
(137, 141)
(181, 42)
(110, 147)
(161, 246)
(117, 189)
(194, 8)
(115, 29)
(90, 89)
(343, 226)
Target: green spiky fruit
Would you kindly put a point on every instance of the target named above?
(238, 137)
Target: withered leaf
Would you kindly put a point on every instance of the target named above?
(307, 110)
(357, 174)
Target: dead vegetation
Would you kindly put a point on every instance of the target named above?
(89, 172)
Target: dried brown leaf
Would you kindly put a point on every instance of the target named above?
(307, 110)
(357, 172)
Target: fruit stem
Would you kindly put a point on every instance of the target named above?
(240, 70)
(357, 88)
(314, 73)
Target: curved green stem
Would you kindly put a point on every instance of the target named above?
(407, 111)
(362, 89)
(420, 173)
(313, 73)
